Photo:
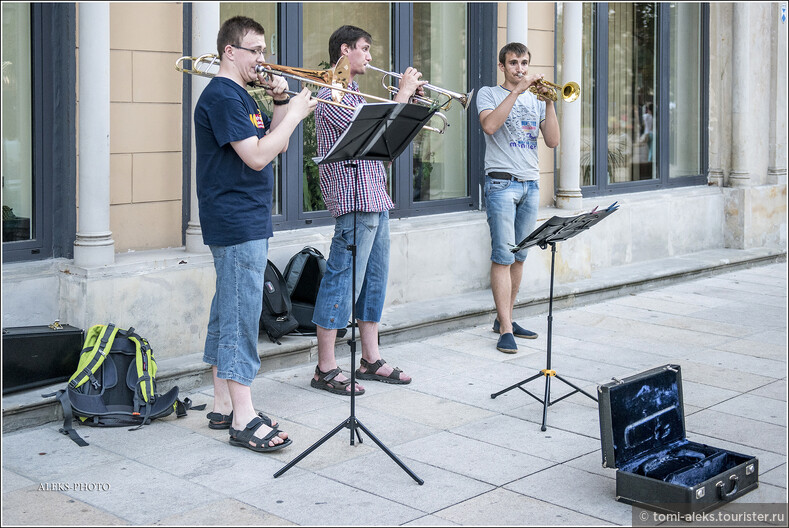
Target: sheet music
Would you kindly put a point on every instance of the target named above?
(356, 113)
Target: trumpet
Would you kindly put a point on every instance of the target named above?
(570, 91)
(464, 99)
(337, 79)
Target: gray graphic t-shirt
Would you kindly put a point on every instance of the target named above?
(513, 148)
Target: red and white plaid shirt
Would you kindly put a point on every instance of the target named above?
(336, 180)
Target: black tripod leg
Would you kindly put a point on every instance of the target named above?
(545, 403)
(313, 447)
(524, 382)
(576, 387)
(391, 455)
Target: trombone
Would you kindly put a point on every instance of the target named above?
(337, 79)
(464, 99)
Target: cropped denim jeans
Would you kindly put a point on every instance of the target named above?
(512, 208)
(231, 342)
(333, 304)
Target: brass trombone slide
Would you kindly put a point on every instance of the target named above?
(336, 79)
(464, 99)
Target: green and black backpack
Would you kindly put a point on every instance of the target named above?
(115, 384)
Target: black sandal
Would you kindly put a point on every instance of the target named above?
(328, 382)
(242, 438)
(224, 421)
(372, 368)
(219, 420)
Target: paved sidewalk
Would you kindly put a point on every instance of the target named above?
(483, 461)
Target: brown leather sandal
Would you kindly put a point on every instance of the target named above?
(328, 382)
(372, 368)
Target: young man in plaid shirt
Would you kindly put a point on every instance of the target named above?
(337, 182)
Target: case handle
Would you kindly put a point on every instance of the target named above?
(728, 495)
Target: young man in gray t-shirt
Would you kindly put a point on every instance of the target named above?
(512, 118)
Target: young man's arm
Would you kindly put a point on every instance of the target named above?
(257, 153)
(550, 126)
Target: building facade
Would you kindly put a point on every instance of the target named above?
(682, 120)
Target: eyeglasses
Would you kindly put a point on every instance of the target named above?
(259, 52)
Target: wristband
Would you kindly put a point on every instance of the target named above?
(283, 102)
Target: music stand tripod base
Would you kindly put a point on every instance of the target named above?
(552, 231)
(379, 132)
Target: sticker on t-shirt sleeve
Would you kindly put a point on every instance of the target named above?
(257, 120)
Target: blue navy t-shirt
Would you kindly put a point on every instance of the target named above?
(235, 200)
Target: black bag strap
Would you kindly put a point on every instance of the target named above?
(68, 417)
(275, 293)
(182, 406)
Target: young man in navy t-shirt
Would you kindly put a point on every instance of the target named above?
(235, 145)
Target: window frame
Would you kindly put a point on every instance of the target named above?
(600, 111)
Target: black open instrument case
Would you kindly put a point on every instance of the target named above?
(642, 431)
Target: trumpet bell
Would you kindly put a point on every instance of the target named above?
(571, 91)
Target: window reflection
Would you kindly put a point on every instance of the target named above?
(320, 21)
(631, 121)
(685, 91)
(440, 54)
(17, 118)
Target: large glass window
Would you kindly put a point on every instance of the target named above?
(439, 167)
(643, 115)
(17, 178)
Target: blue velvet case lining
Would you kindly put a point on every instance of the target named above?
(648, 425)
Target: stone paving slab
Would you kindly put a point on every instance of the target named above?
(474, 457)
(755, 407)
(307, 498)
(775, 390)
(502, 507)
(380, 475)
(32, 507)
(775, 476)
(588, 491)
(738, 429)
(519, 435)
(132, 484)
(218, 513)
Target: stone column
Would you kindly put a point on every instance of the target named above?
(517, 23)
(94, 245)
(568, 194)
(741, 93)
(205, 26)
(717, 95)
(776, 170)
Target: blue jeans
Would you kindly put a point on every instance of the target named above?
(512, 208)
(231, 343)
(333, 304)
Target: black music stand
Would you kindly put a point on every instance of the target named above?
(555, 229)
(380, 132)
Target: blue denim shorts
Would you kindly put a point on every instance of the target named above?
(231, 343)
(512, 208)
(333, 304)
